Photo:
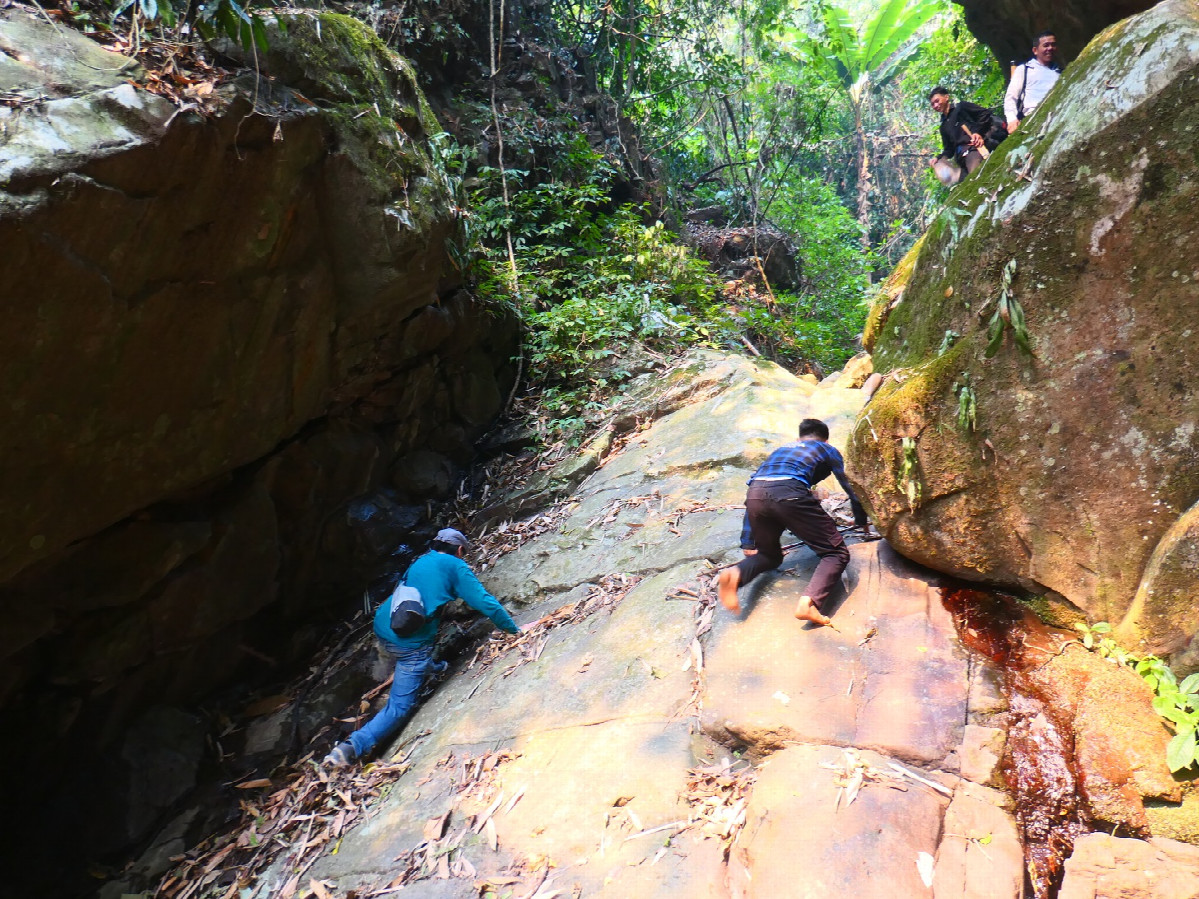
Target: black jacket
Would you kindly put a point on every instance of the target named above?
(980, 121)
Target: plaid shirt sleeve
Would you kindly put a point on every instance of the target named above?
(859, 513)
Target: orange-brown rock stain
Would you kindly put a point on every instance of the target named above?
(1084, 746)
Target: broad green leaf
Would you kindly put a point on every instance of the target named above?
(1180, 754)
(888, 59)
(1190, 684)
(1178, 716)
(994, 342)
(881, 27)
(259, 30)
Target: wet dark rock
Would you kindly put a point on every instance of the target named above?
(424, 474)
(200, 388)
(1007, 26)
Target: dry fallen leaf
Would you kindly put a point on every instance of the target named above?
(435, 827)
(254, 784)
(289, 888)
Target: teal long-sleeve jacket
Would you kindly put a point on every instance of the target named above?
(441, 577)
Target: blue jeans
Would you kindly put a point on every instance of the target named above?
(412, 667)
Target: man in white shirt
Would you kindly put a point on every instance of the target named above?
(1031, 81)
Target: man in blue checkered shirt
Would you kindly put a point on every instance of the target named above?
(780, 498)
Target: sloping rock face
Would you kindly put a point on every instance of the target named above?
(1082, 454)
(653, 745)
(219, 330)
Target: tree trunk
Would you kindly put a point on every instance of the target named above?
(864, 174)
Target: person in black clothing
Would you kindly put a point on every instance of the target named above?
(780, 498)
(967, 130)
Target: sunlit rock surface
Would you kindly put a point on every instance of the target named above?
(1107, 867)
(591, 743)
(1084, 454)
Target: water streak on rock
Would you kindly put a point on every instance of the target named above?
(1038, 765)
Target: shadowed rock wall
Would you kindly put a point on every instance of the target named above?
(1007, 26)
(219, 330)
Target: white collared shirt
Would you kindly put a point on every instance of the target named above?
(1040, 78)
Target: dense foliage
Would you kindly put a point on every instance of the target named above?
(798, 115)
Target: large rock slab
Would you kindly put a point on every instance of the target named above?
(980, 856)
(802, 841)
(892, 677)
(1095, 208)
(592, 733)
(1106, 867)
(589, 740)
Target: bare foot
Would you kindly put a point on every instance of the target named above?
(726, 588)
(807, 611)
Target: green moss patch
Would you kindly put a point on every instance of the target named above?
(371, 94)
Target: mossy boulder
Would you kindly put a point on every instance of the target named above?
(1082, 453)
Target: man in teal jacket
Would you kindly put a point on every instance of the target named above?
(440, 575)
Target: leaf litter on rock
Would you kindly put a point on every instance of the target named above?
(528, 645)
(294, 823)
(718, 796)
(853, 773)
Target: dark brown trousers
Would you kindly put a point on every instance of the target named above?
(777, 506)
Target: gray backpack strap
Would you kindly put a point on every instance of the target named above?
(1020, 96)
